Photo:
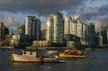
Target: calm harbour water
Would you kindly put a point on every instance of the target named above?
(97, 60)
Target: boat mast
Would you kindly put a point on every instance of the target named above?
(37, 54)
(37, 40)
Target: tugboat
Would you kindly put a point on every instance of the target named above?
(30, 56)
(72, 53)
(26, 56)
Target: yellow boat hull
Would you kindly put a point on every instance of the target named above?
(62, 55)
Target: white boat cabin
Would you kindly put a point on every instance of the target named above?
(29, 53)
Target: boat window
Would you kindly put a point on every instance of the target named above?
(24, 52)
(30, 53)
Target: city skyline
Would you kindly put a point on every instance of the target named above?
(59, 31)
(13, 12)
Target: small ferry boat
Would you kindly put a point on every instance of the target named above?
(31, 56)
(70, 53)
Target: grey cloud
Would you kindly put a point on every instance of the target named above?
(102, 21)
(44, 7)
(94, 13)
(13, 28)
(98, 15)
(102, 16)
(103, 10)
(40, 6)
(10, 23)
(88, 11)
(89, 14)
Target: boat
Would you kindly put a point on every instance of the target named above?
(28, 56)
(63, 55)
(23, 58)
(70, 53)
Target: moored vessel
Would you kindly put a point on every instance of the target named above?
(28, 56)
(70, 53)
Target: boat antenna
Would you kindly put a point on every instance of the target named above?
(37, 39)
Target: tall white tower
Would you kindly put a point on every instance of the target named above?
(32, 26)
(67, 25)
(28, 25)
(55, 28)
(77, 27)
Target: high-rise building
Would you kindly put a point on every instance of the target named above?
(74, 26)
(100, 40)
(28, 25)
(89, 34)
(107, 35)
(85, 31)
(21, 30)
(43, 32)
(32, 26)
(77, 27)
(55, 28)
(3, 31)
(48, 29)
(67, 25)
(104, 35)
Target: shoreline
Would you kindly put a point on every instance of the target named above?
(55, 48)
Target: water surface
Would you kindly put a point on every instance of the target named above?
(97, 60)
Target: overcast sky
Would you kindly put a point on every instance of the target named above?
(13, 12)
